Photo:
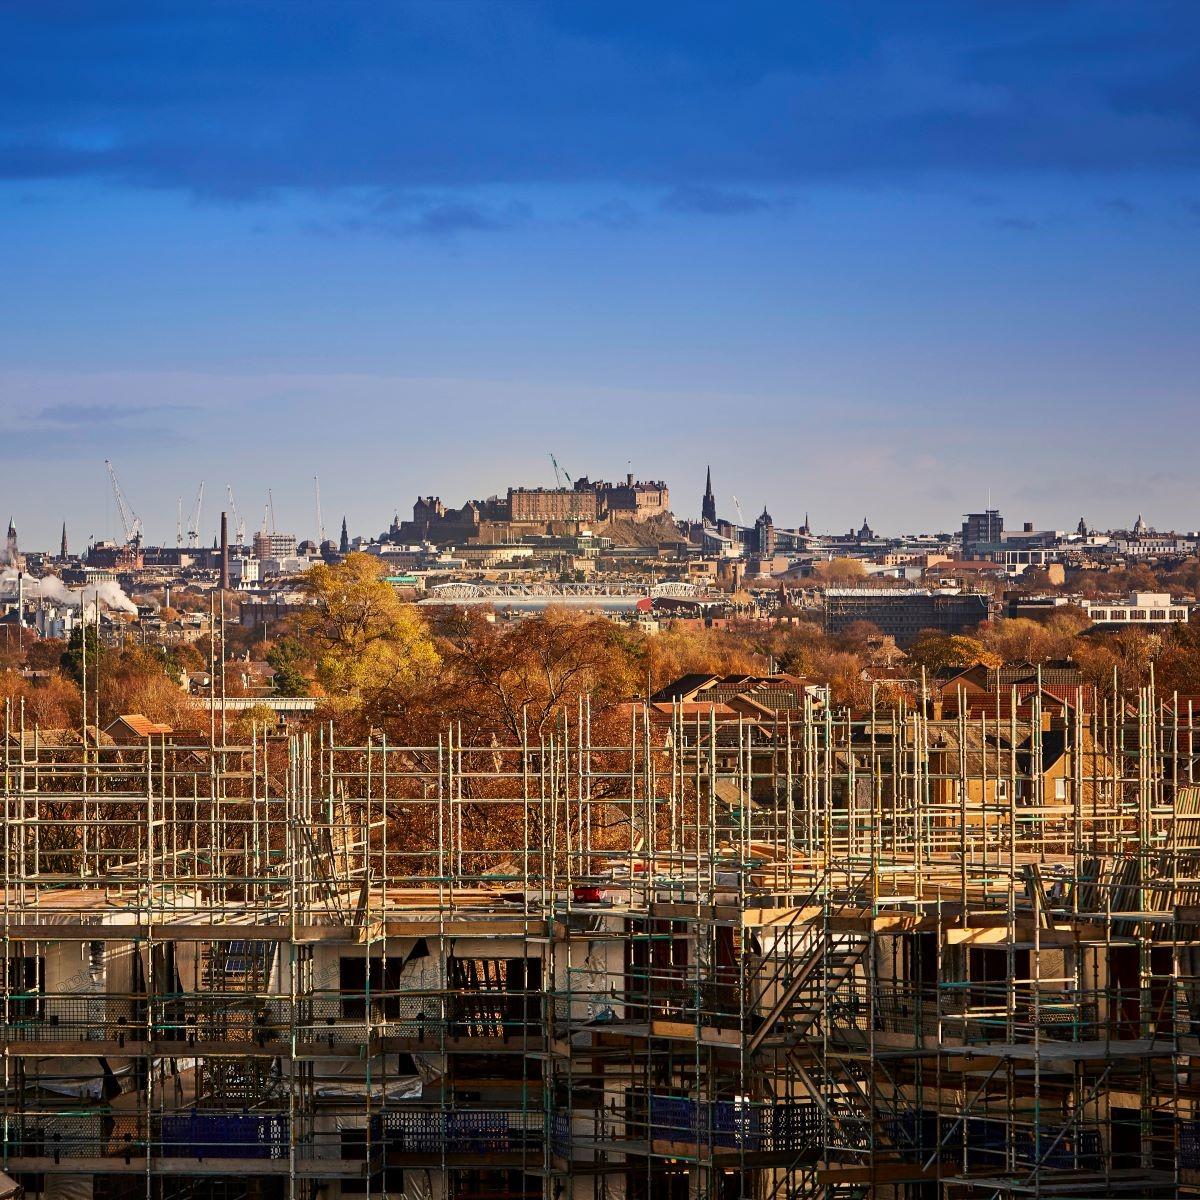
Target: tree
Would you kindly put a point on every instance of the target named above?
(51, 704)
(246, 724)
(83, 645)
(1020, 639)
(936, 651)
(680, 649)
(522, 676)
(858, 635)
(143, 679)
(362, 640)
(840, 570)
(45, 654)
(287, 657)
(1123, 657)
(1178, 665)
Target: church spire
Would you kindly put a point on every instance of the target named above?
(344, 544)
(62, 549)
(708, 506)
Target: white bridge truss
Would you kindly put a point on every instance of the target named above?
(672, 589)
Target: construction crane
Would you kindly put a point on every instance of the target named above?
(320, 522)
(131, 522)
(561, 478)
(239, 525)
(193, 526)
(178, 522)
(271, 509)
(741, 519)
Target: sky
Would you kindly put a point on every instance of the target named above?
(869, 260)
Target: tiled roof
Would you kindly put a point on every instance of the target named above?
(141, 725)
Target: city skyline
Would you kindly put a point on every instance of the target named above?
(163, 529)
(881, 261)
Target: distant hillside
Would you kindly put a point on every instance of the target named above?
(625, 532)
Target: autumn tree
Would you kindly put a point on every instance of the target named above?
(1178, 666)
(683, 649)
(935, 651)
(857, 636)
(50, 704)
(143, 679)
(1021, 639)
(504, 679)
(361, 640)
(1121, 659)
(840, 571)
(45, 654)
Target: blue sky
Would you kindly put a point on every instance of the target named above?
(868, 259)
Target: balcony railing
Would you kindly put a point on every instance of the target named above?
(98, 1134)
(334, 1018)
(975, 1012)
(751, 1127)
(425, 1016)
(425, 1132)
(123, 1019)
(419, 1131)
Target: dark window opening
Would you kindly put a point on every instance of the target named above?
(656, 962)
(373, 979)
(494, 997)
(354, 1149)
(26, 987)
(494, 1185)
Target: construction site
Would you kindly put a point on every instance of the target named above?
(890, 954)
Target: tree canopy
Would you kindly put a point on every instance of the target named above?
(360, 639)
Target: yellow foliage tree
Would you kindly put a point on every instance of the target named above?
(362, 639)
(934, 651)
(840, 570)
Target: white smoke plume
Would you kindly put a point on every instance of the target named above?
(50, 587)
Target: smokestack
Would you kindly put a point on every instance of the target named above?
(224, 553)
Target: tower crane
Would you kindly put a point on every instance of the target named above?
(741, 519)
(239, 525)
(561, 478)
(131, 522)
(320, 522)
(193, 527)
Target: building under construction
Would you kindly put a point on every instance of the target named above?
(812, 955)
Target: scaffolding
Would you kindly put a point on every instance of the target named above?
(825, 954)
